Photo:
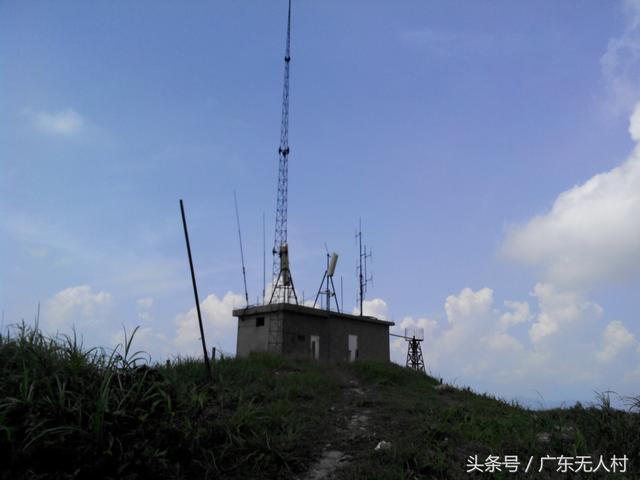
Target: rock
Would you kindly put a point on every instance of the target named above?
(543, 437)
(383, 445)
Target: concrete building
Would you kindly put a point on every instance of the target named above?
(299, 331)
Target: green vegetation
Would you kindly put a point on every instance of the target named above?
(93, 414)
(434, 429)
(66, 412)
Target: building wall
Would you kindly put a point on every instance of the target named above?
(297, 332)
(253, 338)
(298, 327)
(373, 339)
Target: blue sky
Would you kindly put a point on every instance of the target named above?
(486, 147)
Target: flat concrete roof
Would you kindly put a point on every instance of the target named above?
(317, 312)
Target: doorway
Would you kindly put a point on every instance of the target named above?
(315, 346)
(353, 348)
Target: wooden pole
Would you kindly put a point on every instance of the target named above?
(195, 291)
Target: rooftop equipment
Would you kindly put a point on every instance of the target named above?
(363, 278)
(414, 337)
(330, 290)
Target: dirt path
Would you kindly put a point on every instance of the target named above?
(350, 429)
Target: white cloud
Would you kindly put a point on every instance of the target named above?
(520, 313)
(473, 341)
(560, 310)
(220, 326)
(146, 340)
(616, 338)
(428, 325)
(468, 305)
(592, 233)
(65, 123)
(502, 341)
(563, 354)
(634, 124)
(376, 307)
(620, 63)
(75, 306)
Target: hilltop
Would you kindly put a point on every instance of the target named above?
(66, 412)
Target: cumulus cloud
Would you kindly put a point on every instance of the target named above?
(220, 325)
(427, 325)
(64, 123)
(473, 341)
(560, 310)
(376, 307)
(564, 353)
(592, 233)
(468, 305)
(75, 306)
(616, 338)
(520, 312)
(620, 63)
(148, 340)
(634, 124)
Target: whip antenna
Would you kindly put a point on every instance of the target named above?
(244, 273)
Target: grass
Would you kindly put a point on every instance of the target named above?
(68, 412)
(434, 430)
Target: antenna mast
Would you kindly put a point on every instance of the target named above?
(244, 272)
(195, 290)
(283, 283)
(363, 277)
(264, 259)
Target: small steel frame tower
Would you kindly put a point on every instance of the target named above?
(414, 337)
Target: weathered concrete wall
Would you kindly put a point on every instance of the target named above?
(252, 338)
(373, 339)
(298, 330)
(300, 323)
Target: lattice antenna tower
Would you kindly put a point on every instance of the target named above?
(283, 290)
(363, 277)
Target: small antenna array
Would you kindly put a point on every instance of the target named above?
(363, 277)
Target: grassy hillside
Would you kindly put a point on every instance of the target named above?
(66, 412)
